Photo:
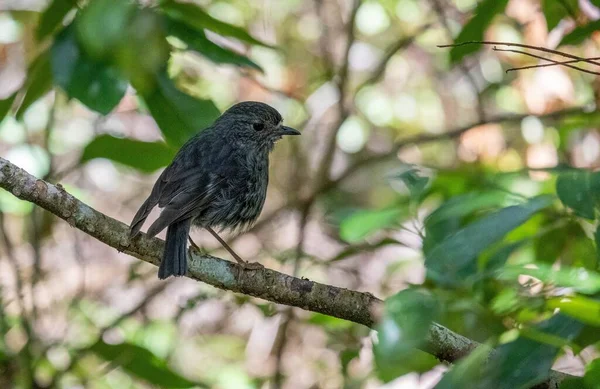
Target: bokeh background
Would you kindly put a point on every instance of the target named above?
(374, 97)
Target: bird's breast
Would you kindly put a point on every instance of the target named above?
(241, 200)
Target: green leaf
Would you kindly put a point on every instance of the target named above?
(141, 363)
(579, 34)
(179, 115)
(556, 10)
(6, 104)
(329, 322)
(475, 28)
(597, 241)
(584, 309)
(580, 279)
(454, 258)
(592, 374)
(144, 156)
(38, 83)
(362, 223)
(52, 17)
(574, 383)
(414, 181)
(467, 370)
(499, 257)
(523, 363)
(464, 205)
(448, 218)
(346, 356)
(356, 249)
(195, 17)
(403, 328)
(97, 85)
(196, 40)
(147, 39)
(580, 191)
(102, 26)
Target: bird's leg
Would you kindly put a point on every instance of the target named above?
(244, 264)
(195, 246)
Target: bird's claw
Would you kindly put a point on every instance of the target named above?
(251, 265)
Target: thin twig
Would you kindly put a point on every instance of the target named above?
(545, 59)
(554, 63)
(539, 48)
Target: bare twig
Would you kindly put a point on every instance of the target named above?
(553, 63)
(545, 59)
(539, 48)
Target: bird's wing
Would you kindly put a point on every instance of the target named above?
(191, 184)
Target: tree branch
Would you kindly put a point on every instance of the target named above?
(358, 307)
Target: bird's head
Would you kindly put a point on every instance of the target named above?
(256, 122)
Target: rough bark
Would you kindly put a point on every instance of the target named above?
(358, 307)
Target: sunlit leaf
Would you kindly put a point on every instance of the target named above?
(38, 83)
(580, 191)
(196, 40)
(195, 17)
(584, 309)
(329, 322)
(454, 258)
(143, 364)
(475, 28)
(404, 327)
(362, 223)
(179, 115)
(53, 16)
(97, 85)
(592, 374)
(144, 156)
(580, 34)
(580, 279)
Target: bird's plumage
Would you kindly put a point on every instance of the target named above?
(218, 179)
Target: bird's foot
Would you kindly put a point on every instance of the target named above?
(251, 265)
(195, 248)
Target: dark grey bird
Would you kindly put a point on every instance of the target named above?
(217, 180)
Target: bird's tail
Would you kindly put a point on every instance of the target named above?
(174, 261)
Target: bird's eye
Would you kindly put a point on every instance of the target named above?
(258, 126)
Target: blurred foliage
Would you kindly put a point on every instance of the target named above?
(503, 219)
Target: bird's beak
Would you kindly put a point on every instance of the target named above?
(285, 130)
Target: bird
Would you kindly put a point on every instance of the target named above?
(217, 180)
